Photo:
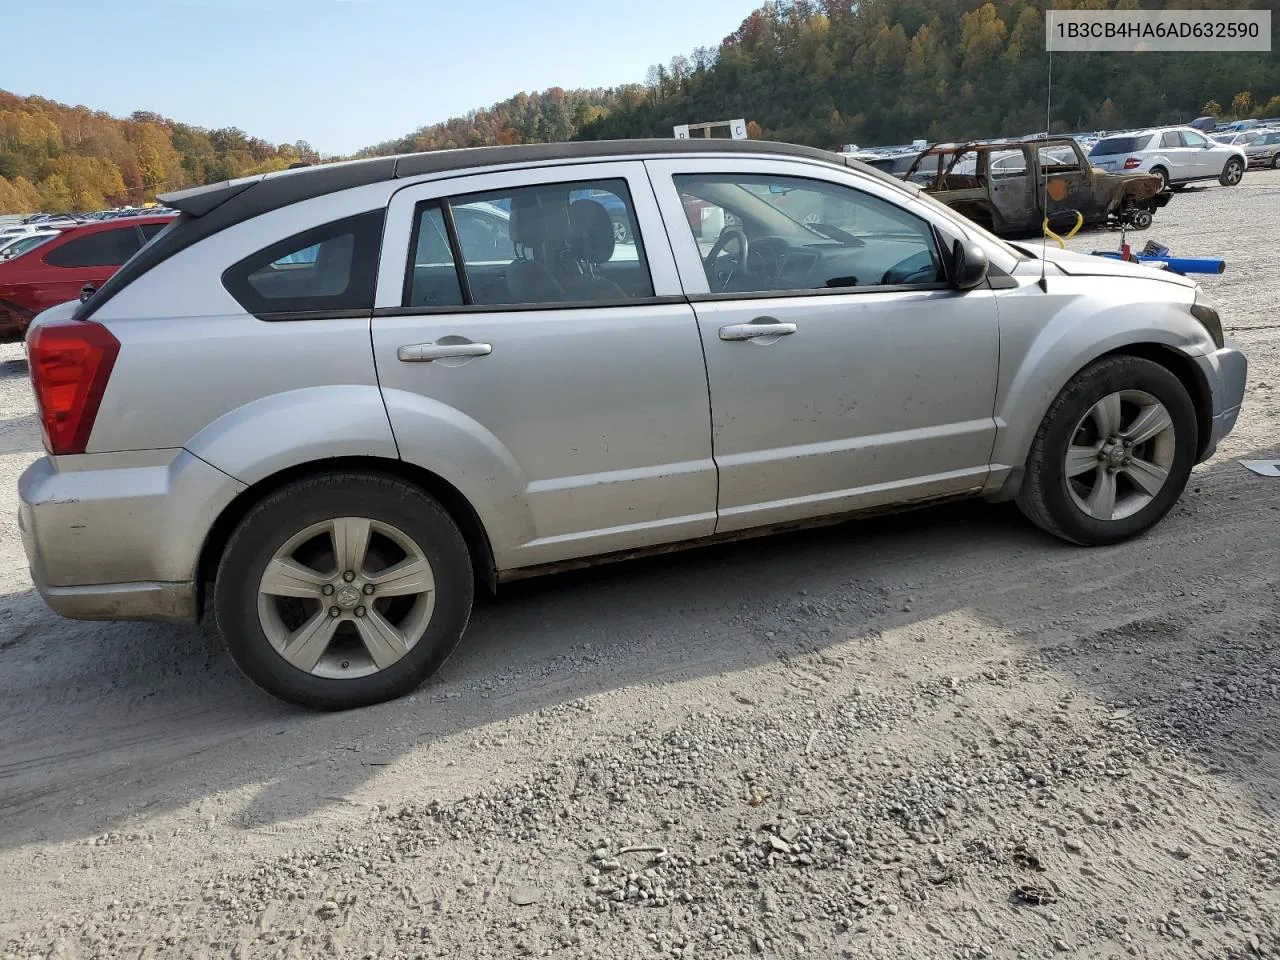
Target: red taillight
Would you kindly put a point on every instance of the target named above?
(70, 364)
(1132, 163)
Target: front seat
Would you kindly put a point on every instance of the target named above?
(590, 244)
(528, 281)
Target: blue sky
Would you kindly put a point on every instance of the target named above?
(341, 74)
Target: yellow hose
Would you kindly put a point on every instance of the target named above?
(1062, 241)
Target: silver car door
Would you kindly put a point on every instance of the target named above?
(557, 372)
(1204, 161)
(843, 373)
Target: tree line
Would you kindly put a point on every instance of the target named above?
(891, 71)
(57, 159)
(817, 72)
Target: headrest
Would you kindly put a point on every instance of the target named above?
(527, 225)
(590, 232)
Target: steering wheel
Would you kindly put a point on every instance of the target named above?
(722, 241)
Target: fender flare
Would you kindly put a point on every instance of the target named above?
(1062, 350)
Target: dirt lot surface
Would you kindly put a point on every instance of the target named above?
(940, 735)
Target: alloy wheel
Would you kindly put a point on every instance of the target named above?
(346, 597)
(1120, 455)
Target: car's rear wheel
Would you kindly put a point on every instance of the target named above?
(1232, 172)
(1163, 174)
(343, 590)
(1113, 453)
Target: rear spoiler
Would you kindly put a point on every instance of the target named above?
(197, 201)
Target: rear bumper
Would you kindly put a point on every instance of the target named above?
(119, 536)
(1226, 371)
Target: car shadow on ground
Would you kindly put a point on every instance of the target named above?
(20, 435)
(13, 368)
(105, 723)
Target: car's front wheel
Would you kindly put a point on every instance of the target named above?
(1113, 453)
(343, 590)
(1232, 172)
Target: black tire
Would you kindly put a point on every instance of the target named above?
(1043, 496)
(1163, 174)
(1232, 173)
(294, 508)
(1275, 161)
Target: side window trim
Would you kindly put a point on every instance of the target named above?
(455, 248)
(441, 206)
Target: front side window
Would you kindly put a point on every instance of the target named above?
(106, 248)
(1194, 139)
(541, 245)
(771, 233)
(326, 269)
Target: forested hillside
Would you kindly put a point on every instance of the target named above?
(547, 117)
(889, 71)
(58, 158)
(821, 72)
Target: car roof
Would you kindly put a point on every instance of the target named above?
(249, 196)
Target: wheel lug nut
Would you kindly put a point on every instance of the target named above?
(359, 611)
(368, 589)
(348, 576)
(327, 589)
(335, 612)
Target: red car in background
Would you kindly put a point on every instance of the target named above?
(56, 271)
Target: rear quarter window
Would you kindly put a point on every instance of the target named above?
(330, 269)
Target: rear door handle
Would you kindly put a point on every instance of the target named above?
(756, 330)
(426, 352)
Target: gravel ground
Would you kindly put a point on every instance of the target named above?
(938, 735)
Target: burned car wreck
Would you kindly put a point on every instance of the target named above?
(1011, 187)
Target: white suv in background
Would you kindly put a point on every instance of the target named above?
(1178, 155)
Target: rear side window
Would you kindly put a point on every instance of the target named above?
(556, 243)
(326, 270)
(108, 248)
(1171, 138)
(1111, 145)
(149, 230)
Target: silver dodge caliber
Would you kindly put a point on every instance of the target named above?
(324, 403)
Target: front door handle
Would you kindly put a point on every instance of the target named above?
(757, 329)
(426, 352)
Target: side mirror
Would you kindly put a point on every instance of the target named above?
(968, 265)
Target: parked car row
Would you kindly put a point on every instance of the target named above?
(1261, 145)
(1177, 155)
